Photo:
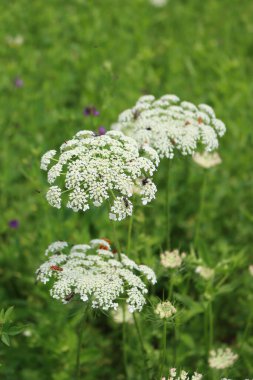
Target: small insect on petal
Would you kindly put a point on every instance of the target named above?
(103, 247)
(69, 296)
(200, 120)
(56, 268)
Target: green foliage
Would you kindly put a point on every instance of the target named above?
(7, 329)
(107, 53)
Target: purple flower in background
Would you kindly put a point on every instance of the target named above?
(95, 112)
(14, 223)
(90, 111)
(101, 130)
(18, 82)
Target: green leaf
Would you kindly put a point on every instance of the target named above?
(5, 339)
(15, 330)
(8, 313)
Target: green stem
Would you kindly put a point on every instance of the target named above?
(164, 344)
(176, 334)
(200, 212)
(129, 238)
(247, 326)
(117, 241)
(171, 285)
(206, 330)
(124, 341)
(145, 360)
(79, 346)
(167, 207)
(210, 319)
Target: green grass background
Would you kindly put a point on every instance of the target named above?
(107, 53)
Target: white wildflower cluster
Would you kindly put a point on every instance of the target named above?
(207, 160)
(165, 310)
(96, 275)
(169, 124)
(205, 272)
(91, 169)
(251, 270)
(182, 375)
(172, 259)
(222, 358)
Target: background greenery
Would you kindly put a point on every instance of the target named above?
(107, 53)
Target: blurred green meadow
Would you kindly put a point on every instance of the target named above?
(107, 53)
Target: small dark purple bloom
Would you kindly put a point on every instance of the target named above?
(18, 82)
(14, 223)
(101, 131)
(90, 111)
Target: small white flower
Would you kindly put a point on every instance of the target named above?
(46, 159)
(53, 196)
(222, 358)
(207, 160)
(157, 3)
(101, 278)
(183, 375)
(165, 310)
(56, 246)
(91, 169)
(172, 259)
(251, 270)
(205, 272)
(15, 41)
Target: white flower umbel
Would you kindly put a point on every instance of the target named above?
(182, 375)
(222, 358)
(172, 259)
(169, 124)
(165, 310)
(91, 169)
(94, 274)
(207, 160)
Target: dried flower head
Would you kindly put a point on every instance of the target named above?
(95, 274)
(91, 169)
(182, 375)
(169, 124)
(205, 272)
(207, 160)
(172, 259)
(165, 310)
(222, 358)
